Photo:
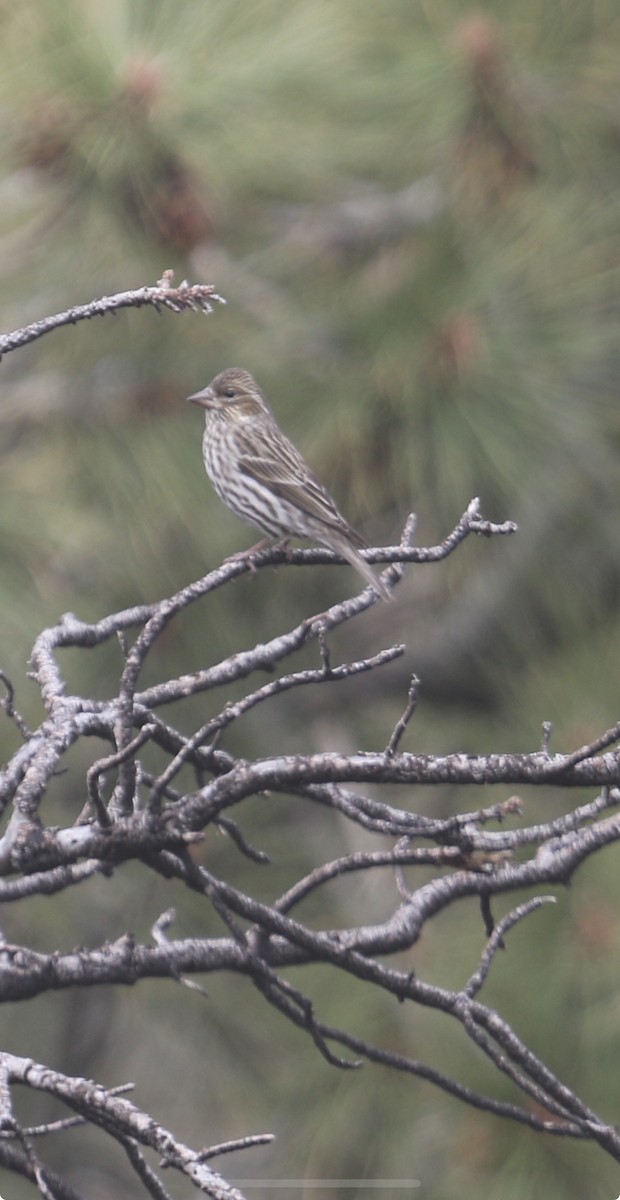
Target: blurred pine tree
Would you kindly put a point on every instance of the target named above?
(413, 213)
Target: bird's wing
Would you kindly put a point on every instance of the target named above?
(275, 462)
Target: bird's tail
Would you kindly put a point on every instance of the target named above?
(344, 547)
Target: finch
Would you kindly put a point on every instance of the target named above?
(263, 478)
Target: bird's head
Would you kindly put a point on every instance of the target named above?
(234, 394)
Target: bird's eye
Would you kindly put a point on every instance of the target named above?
(230, 392)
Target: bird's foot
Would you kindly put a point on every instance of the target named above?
(285, 545)
(249, 555)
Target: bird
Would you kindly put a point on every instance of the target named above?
(263, 478)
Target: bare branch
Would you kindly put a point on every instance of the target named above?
(7, 704)
(121, 1120)
(153, 819)
(402, 723)
(496, 941)
(197, 298)
(246, 1143)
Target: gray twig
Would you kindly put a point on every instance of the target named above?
(199, 297)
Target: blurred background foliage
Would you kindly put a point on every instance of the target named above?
(412, 211)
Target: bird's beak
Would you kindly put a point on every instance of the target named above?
(205, 398)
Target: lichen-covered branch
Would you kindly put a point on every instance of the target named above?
(112, 1113)
(198, 297)
(130, 813)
